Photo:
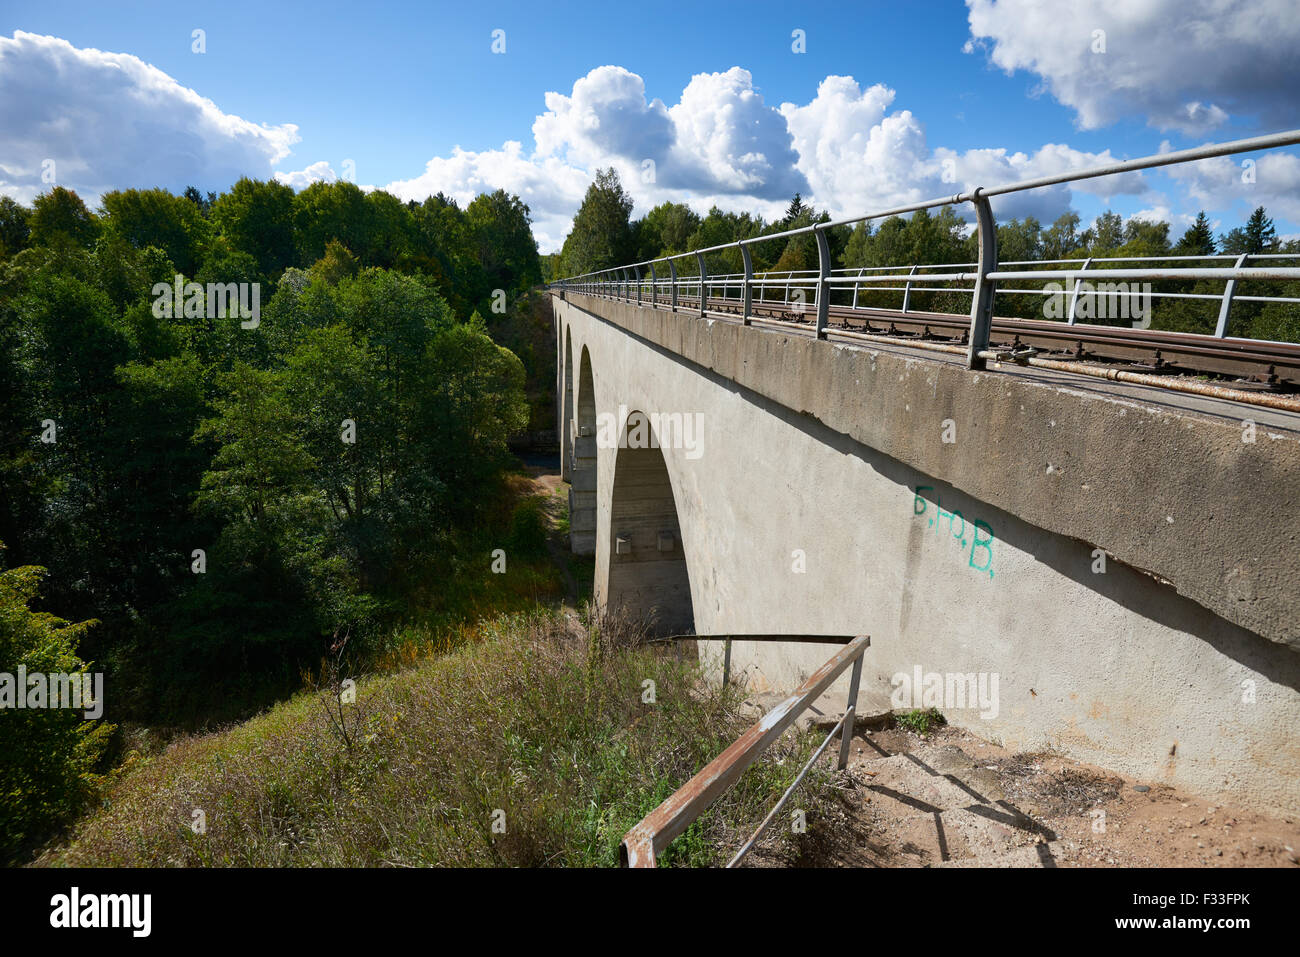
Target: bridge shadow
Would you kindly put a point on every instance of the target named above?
(1129, 587)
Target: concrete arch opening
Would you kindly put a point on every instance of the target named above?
(582, 488)
(648, 576)
(566, 410)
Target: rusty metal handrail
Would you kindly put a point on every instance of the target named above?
(653, 833)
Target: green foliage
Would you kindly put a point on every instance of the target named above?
(1257, 236)
(155, 217)
(500, 225)
(601, 236)
(543, 722)
(919, 721)
(325, 211)
(60, 215)
(666, 229)
(1198, 240)
(15, 226)
(528, 530)
(257, 217)
(177, 433)
(48, 762)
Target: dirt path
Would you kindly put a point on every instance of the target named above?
(546, 481)
(951, 800)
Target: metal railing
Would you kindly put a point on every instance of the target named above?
(642, 844)
(644, 282)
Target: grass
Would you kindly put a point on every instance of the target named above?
(531, 722)
(919, 721)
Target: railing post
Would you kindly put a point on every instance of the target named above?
(1229, 290)
(672, 271)
(1074, 293)
(726, 663)
(654, 288)
(823, 274)
(638, 284)
(981, 308)
(850, 714)
(704, 276)
(857, 285)
(747, 295)
(907, 290)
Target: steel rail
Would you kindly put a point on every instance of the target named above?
(1178, 351)
(643, 843)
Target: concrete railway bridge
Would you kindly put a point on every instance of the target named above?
(1118, 550)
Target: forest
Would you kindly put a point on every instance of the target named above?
(204, 508)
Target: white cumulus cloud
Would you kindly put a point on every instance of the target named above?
(1183, 65)
(110, 121)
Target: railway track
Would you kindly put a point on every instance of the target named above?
(1242, 364)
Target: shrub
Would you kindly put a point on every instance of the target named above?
(49, 755)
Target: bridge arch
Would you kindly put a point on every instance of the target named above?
(566, 410)
(648, 577)
(583, 477)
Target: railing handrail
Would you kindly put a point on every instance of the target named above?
(647, 839)
(988, 271)
(1208, 151)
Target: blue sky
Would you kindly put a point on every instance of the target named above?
(394, 86)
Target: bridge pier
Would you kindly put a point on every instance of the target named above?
(582, 494)
(582, 466)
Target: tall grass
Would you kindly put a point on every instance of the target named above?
(536, 725)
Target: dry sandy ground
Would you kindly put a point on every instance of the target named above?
(951, 800)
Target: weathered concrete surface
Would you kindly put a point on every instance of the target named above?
(809, 459)
(1170, 491)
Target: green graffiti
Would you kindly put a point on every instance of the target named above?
(921, 507)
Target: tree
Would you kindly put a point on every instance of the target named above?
(325, 211)
(664, 230)
(1106, 234)
(1061, 239)
(390, 230)
(155, 217)
(60, 212)
(601, 237)
(15, 226)
(1145, 238)
(259, 456)
(256, 217)
(201, 202)
(1198, 240)
(442, 247)
(500, 225)
(1020, 240)
(47, 764)
(337, 264)
(794, 214)
(1257, 236)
